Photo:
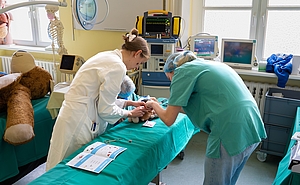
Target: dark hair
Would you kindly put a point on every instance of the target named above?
(133, 42)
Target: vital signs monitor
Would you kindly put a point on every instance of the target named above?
(204, 46)
(239, 53)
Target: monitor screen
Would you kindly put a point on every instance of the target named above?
(205, 46)
(70, 63)
(156, 24)
(238, 53)
(157, 49)
(67, 62)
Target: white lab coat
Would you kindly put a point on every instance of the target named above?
(90, 101)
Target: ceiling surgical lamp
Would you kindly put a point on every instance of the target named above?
(85, 13)
(18, 5)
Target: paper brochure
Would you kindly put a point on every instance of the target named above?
(96, 157)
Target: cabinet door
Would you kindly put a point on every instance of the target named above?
(156, 91)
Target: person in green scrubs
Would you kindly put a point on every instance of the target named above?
(218, 102)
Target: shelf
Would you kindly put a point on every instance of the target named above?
(256, 73)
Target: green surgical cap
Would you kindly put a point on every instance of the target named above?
(178, 58)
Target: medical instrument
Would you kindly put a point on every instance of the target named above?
(154, 81)
(239, 53)
(164, 102)
(112, 140)
(144, 98)
(160, 50)
(204, 46)
(158, 24)
(86, 11)
(108, 141)
(70, 63)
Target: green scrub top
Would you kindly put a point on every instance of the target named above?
(218, 102)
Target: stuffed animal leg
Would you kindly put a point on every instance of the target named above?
(19, 124)
(26, 82)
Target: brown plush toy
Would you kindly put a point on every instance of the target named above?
(26, 82)
(148, 115)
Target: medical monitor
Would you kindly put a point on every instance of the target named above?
(239, 53)
(204, 46)
(70, 63)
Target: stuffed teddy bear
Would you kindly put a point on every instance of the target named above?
(26, 82)
(148, 115)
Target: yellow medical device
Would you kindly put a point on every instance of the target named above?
(158, 24)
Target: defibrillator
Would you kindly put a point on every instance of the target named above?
(158, 24)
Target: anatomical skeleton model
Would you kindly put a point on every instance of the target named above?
(56, 29)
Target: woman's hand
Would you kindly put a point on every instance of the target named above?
(154, 99)
(137, 112)
(149, 104)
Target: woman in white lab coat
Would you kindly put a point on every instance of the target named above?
(90, 102)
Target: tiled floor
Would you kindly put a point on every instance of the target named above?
(189, 171)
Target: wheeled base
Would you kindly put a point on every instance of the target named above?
(261, 156)
(181, 155)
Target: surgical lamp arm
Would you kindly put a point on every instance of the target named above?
(14, 6)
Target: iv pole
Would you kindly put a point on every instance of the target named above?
(14, 6)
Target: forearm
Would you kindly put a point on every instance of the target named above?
(159, 111)
(168, 115)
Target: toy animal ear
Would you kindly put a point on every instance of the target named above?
(22, 62)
